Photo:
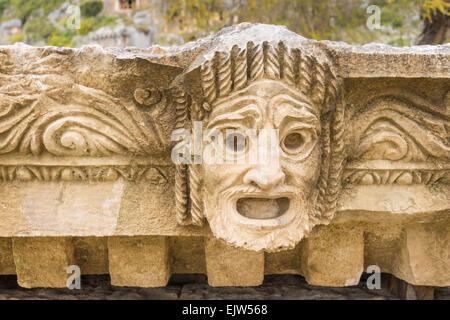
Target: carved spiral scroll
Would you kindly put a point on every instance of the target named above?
(390, 131)
(81, 136)
(94, 124)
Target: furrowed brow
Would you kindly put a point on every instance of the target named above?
(245, 114)
(293, 111)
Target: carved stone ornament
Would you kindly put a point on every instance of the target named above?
(250, 152)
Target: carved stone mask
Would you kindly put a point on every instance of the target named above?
(266, 156)
(261, 203)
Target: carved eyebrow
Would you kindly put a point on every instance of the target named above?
(249, 112)
(297, 111)
(299, 115)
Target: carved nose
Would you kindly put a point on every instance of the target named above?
(265, 177)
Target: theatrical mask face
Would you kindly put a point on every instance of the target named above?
(260, 178)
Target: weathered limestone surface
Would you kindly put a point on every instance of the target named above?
(139, 261)
(91, 255)
(228, 266)
(423, 243)
(95, 170)
(187, 255)
(334, 256)
(6, 257)
(42, 262)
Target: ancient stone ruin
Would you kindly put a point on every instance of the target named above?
(106, 161)
(124, 5)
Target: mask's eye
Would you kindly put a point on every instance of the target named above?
(293, 143)
(236, 142)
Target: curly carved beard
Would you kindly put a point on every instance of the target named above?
(271, 235)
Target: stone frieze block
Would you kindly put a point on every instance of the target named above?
(252, 151)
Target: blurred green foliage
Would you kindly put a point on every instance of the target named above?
(61, 38)
(3, 5)
(16, 38)
(37, 29)
(94, 23)
(24, 8)
(339, 20)
(432, 6)
(91, 8)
